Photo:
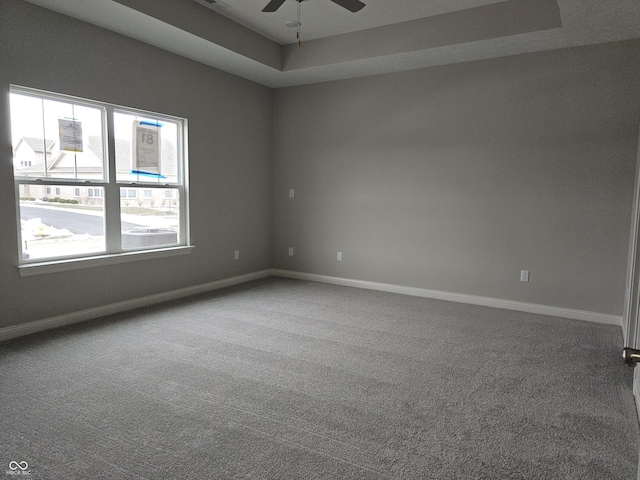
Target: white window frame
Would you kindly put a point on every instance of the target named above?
(114, 253)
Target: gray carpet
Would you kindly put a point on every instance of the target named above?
(283, 379)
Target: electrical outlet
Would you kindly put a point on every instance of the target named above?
(524, 275)
(236, 254)
(339, 257)
(291, 251)
(292, 193)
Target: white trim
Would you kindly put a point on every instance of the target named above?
(14, 331)
(458, 297)
(42, 268)
(631, 301)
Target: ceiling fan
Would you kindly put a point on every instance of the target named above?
(351, 5)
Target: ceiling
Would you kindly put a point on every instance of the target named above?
(385, 36)
(322, 18)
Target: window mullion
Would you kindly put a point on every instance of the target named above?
(112, 192)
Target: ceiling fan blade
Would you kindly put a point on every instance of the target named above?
(351, 5)
(273, 5)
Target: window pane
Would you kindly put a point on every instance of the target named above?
(61, 225)
(146, 149)
(56, 139)
(149, 222)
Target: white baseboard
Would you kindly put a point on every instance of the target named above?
(458, 297)
(14, 331)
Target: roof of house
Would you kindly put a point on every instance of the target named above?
(91, 159)
(37, 144)
(68, 161)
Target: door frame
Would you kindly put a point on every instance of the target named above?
(632, 287)
(630, 317)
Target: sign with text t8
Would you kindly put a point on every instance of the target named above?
(146, 147)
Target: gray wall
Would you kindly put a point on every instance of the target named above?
(452, 178)
(455, 178)
(229, 153)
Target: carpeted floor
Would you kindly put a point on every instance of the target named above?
(283, 379)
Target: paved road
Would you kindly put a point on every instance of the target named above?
(74, 221)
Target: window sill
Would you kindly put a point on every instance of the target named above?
(43, 268)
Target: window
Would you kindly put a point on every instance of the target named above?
(60, 144)
(94, 192)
